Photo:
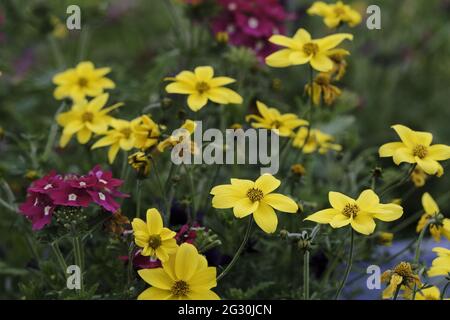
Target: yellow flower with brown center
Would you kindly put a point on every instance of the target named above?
(440, 265)
(402, 276)
(84, 119)
(155, 240)
(184, 275)
(335, 14)
(359, 213)
(323, 89)
(254, 197)
(147, 133)
(81, 82)
(201, 86)
(302, 49)
(272, 119)
(121, 136)
(316, 141)
(415, 148)
(439, 225)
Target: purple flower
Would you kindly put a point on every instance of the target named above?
(66, 195)
(39, 209)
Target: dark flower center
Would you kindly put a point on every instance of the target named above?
(350, 210)
(82, 82)
(154, 241)
(180, 288)
(323, 79)
(255, 194)
(310, 48)
(126, 132)
(202, 87)
(420, 151)
(339, 11)
(87, 116)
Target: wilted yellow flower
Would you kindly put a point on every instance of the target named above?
(31, 174)
(301, 49)
(402, 276)
(59, 28)
(117, 223)
(323, 89)
(440, 225)
(430, 293)
(418, 177)
(272, 119)
(385, 238)
(147, 133)
(84, 119)
(185, 275)
(222, 37)
(440, 265)
(339, 62)
(317, 141)
(416, 147)
(247, 197)
(298, 169)
(121, 136)
(359, 213)
(187, 129)
(155, 240)
(201, 86)
(140, 162)
(335, 14)
(82, 81)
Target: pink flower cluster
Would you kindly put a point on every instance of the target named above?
(250, 23)
(53, 190)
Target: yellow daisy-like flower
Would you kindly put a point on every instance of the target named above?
(201, 86)
(155, 240)
(147, 133)
(247, 197)
(81, 82)
(430, 293)
(271, 118)
(416, 147)
(84, 119)
(187, 129)
(184, 276)
(359, 213)
(323, 89)
(335, 14)
(440, 226)
(317, 141)
(402, 276)
(440, 265)
(301, 49)
(121, 136)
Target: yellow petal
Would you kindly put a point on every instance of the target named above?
(388, 149)
(203, 280)
(281, 202)
(333, 40)
(323, 216)
(73, 127)
(98, 102)
(186, 261)
(218, 96)
(429, 166)
(299, 57)
(220, 81)
(302, 36)
(156, 277)
(363, 224)
(204, 73)
(186, 76)
(65, 138)
(84, 135)
(267, 183)
(387, 212)
(279, 59)
(367, 200)
(197, 101)
(405, 134)
(180, 87)
(403, 155)
(429, 204)
(154, 221)
(112, 152)
(167, 234)
(230, 95)
(225, 201)
(162, 254)
(266, 218)
(321, 63)
(139, 225)
(203, 295)
(282, 41)
(244, 207)
(155, 294)
(339, 220)
(339, 200)
(439, 152)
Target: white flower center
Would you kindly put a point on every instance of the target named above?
(36, 202)
(103, 181)
(231, 28)
(48, 186)
(72, 197)
(47, 210)
(232, 6)
(253, 23)
(101, 196)
(82, 184)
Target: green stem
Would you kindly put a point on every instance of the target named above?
(417, 254)
(349, 264)
(138, 197)
(59, 256)
(78, 253)
(158, 178)
(397, 291)
(193, 191)
(306, 275)
(239, 250)
(445, 290)
(399, 182)
(311, 107)
(52, 134)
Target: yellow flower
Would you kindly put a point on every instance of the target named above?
(188, 129)
(272, 119)
(317, 141)
(439, 225)
(416, 147)
(201, 86)
(385, 238)
(430, 293)
(147, 133)
(402, 276)
(121, 136)
(59, 29)
(140, 163)
(84, 119)
(335, 14)
(302, 49)
(418, 177)
(322, 88)
(155, 240)
(440, 265)
(298, 169)
(247, 197)
(340, 64)
(81, 81)
(185, 275)
(359, 213)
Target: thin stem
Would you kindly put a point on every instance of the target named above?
(311, 107)
(158, 178)
(78, 253)
(417, 254)
(52, 135)
(349, 265)
(306, 275)
(397, 291)
(193, 191)
(138, 197)
(399, 182)
(59, 256)
(445, 290)
(239, 250)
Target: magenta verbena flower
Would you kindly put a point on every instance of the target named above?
(54, 190)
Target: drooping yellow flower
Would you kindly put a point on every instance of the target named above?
(416, 147)
(339, 62)
(247, 197)
(140, 162)
(430, 293)
(385, 238)
(301, 49)
(335, 14)
(201, 86)
(418, 177)
(440, 265)
(359, 213)
(271, 118)
(84, 119)
(147, 133)
(81, 82)
(121, 136)
(440, 225)
(323, 89)
(402, 276)
(155, 240)
(187, 129)
(185, 275)
(317, 141)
